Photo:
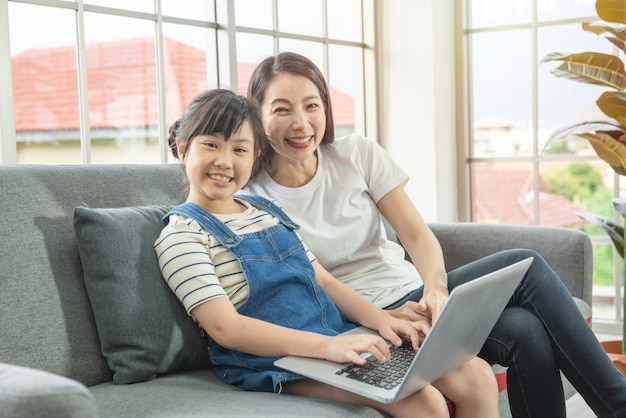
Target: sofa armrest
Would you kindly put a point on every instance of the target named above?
(568, 251)
(32, 393)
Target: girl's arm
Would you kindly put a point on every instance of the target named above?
(359, 310)
(423, 248)
(238, 332)
(182, 253)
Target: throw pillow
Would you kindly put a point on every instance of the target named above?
(143, 328)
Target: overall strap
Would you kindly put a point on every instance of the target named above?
(270, 207)
(222, 233)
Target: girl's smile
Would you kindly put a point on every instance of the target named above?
(220, 179)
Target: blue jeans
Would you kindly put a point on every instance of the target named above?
(541, 333)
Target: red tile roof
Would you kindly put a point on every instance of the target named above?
(504, 195)
(121, 83)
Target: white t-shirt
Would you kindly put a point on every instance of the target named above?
(340, 222)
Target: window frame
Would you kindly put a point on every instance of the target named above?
(465, 136)
(224, 56)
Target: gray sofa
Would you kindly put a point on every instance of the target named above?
(75, 332)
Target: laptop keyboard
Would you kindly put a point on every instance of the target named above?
(384, 375)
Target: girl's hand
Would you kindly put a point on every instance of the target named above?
(348, 348)
(342, 349)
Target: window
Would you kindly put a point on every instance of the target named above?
(515, 103)
(100, 81)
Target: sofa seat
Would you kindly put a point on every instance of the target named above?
(197, 393)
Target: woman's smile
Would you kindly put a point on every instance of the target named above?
(300, 142)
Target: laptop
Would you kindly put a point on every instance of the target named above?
(463, 325)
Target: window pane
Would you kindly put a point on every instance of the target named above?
(502, 94)
(565, 9)
(604, 282)
(251, 50)
(312, 50)
(563, 102)
(344, 20)
(121, 72)
(146, 6)
(121, 69)
(568, 188)
(497, 12)
(188, 66)
(345, 80)
(189, 9)
(303, 17)
(254, 13)
(45, 87)
(503, 193)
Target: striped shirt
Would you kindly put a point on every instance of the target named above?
(197, 267)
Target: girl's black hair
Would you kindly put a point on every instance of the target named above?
(219, 111)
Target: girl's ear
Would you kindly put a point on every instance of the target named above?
(180, 149)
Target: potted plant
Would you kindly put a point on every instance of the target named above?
(607, 137)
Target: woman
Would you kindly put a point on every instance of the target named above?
(338, 190)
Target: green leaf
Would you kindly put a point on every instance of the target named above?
(583, 127)
(612, 10)
(600, 27)
(613, 104)
(617, 42)
(591, 68)
(619, 204)
(609, 149)
(613, 229)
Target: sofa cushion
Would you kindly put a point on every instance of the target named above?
(31, 393)
(201, 394)
(144, 330)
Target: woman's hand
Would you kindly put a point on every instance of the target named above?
(412, 311)
(395, 330)
(427, 309)
(432, 302)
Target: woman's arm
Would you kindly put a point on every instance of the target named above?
(422, 246)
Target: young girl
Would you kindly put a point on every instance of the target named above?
(241, 270)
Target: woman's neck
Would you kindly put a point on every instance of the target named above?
(290, 173)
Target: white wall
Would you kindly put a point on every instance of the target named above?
(416, 43)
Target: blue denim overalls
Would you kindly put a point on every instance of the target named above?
(282, 290)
